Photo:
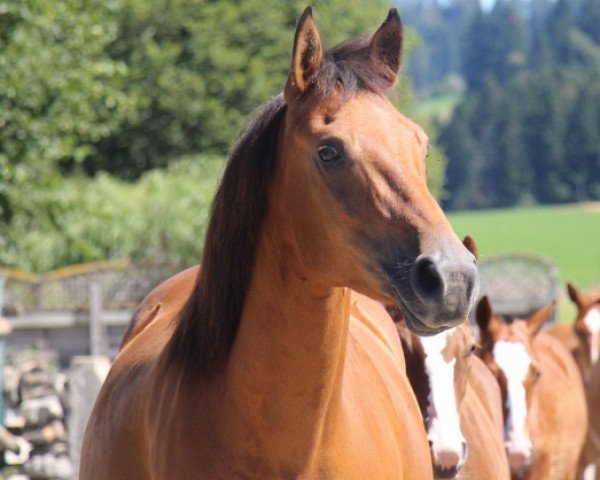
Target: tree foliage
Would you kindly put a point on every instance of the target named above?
(60, 93)
(198, 68)
(527, 130)
(160, 218)
(533, 140)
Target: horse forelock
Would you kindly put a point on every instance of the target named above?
(349, 66)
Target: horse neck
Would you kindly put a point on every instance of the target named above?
(285, 371)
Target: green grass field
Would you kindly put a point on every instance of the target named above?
(568, 235)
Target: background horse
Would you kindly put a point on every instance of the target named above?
(270, 366)
(545, 411)
(460, 404)
(582, 339)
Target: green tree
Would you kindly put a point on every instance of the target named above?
(494, 45)
(582, 143)
(60, 93)
(199, 68)
(589, 19)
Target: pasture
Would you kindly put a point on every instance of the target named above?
(567, 235)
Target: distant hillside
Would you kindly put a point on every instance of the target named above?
(527, 127)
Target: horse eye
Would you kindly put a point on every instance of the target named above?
(535, 376)
(328, 155)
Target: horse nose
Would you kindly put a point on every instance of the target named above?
(447, 461)
(427, 279)
(519, 459)
(446, 280)
(519, 456)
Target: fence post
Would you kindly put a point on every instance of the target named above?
(5, 329)
(98, 335)
(86, 375)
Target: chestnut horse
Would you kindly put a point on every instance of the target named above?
(545, 415)
(270, 365)
(460, 404)
(582, 338)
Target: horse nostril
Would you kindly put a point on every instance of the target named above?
(426, 279)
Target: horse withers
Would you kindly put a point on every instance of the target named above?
(545, 414)
(267, 364)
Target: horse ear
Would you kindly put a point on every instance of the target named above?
(536, 321)
(386, 47)
(484, 313)
(574, 295)
(469, 243)
(307, 55)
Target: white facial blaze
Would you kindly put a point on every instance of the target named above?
(513, 359)
(444, 427)
(592, 322)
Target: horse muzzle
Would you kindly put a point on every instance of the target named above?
(448, 462)
(438, 292)
(520, 456)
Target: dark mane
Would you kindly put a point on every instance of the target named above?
(209, 321)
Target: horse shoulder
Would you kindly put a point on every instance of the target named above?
(375, 317)
(120, 414)
(552, 351)
(559, 408)
(486, 457)
(380, 407)
(173, 291)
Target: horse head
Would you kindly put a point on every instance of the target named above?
(587, 324)
(506, 350)
(351, 197)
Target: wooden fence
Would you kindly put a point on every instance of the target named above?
(78, 310)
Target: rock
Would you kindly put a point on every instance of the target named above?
(12, 376)
(13, 420)
(36, 384)
(40, 411)
(18, 476)
(48, 466)
(21, 456)
(54, 431)
(59, 448)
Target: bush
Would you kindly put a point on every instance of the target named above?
(160, 218)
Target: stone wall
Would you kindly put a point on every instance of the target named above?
(36, 412)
